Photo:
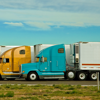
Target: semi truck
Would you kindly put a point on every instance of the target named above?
(11, 58)
(80, 60)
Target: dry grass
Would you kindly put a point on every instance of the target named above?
(44, 92)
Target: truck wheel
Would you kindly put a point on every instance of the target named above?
(81, 76)
(1, 78)
(93, 76)
(26, 79)
(70, 75)
(32, 76)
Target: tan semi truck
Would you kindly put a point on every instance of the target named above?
(11, 60)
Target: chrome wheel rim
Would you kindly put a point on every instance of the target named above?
(32, 76)
(94, 76)
(70, 74)
(82, 76)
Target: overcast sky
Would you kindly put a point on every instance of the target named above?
(30, 22)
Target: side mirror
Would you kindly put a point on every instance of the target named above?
(42, 59)
(4, 60)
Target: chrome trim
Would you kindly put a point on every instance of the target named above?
(51, 73)
(48, 63)
(52, 77)
(32, 54)
(10, 73)
(57, 63)
(21, 69)
(12, 77)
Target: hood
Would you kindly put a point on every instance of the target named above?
(29, 65)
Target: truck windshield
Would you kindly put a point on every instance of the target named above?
(37, 59)
(0, 60)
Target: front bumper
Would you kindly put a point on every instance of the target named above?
(24, 75)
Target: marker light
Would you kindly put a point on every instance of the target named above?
(23, 71)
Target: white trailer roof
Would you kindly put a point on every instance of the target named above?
(5, 48)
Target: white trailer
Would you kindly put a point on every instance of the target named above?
(89, 56)
(5, 48)
(84, 60)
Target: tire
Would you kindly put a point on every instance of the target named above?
(70, 75)
(1, 78)
(81, 76)
(93, 76)
(26, 79)
(32, 76)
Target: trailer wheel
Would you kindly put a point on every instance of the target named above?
(81, 76)
(93, 76)
(70, 75)
(32, 76)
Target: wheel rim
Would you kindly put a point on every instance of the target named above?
(70, 74)
(82, 76)
(32, 76)
(94, 76)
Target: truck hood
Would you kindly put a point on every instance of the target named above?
(28, 66)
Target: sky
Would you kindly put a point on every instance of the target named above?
(31, 22)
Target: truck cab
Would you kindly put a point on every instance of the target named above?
(11, 60)
(50, 64)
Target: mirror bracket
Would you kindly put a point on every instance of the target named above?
(42, 59)
(4, 60)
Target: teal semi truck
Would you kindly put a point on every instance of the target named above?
(64, 61)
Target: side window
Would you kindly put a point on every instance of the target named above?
(7, 60)
(0, 60)
(22, 52)
(45, 59)
(61, 50)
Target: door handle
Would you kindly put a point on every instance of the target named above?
(18, 64)
(57, 63)
(48, 63)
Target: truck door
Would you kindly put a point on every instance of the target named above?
(21, 55)
(58, 58)
(46, 65)
(18, 56)
(7, 61)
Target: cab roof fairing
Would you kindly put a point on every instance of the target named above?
(42, 52)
